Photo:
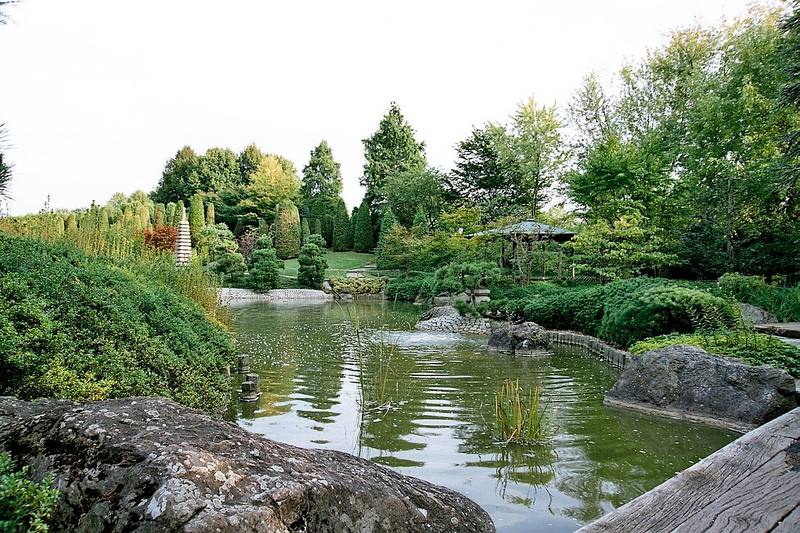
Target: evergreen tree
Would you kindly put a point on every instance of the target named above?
(216, 169)
(210, 214)
(169, 218)
(387, 223)
(159, 215)
(420, 225)
(141, 217)
(305, 230)
(312, 262)
(266, 267)
(322, 176)
(178, 216)
(341, 227)
(287, 230)
(71, 224)
(317, 227)
(362, 228)
(392, 149)
(196, 219)
(103, 219)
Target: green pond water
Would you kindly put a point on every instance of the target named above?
(441, 425)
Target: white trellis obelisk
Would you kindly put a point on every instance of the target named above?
(183, 246)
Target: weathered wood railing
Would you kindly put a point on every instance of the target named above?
(752, 484)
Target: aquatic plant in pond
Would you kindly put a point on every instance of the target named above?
(520, 419)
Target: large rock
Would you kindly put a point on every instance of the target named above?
(524, 336)
(755, 315)
(151, 465)
(446, 318)
(688, 380)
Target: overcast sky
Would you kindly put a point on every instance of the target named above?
(97, 95)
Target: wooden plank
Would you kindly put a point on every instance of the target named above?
(753, 484)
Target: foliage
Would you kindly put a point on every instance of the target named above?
(465, 277)
(83, 327)
(273, 183)
(783, 302)
(322, 176)
(520, 419)
(312, 265)
(161, 238)
(341, 227)
(287, 230)
(387, 223)
(362, 228)
(196, 216)
(219, 249)
(305, 231)
(358, 285)
(619, 250)
(391, 150)
(412, 191)
(748, 346)
(25, 505)
(180, 178)
(266, 267)
(210, 215)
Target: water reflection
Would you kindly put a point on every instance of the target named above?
(440, 422)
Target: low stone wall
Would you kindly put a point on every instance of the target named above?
(590, 346)
(228, 295)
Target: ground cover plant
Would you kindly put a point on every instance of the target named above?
(25, 505)
(88, 328)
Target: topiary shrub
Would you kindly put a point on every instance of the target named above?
(362, 228)
(358, 285)
(311, 271)
(161, 238)
(266, 267)
(287, 230)
(25, 505)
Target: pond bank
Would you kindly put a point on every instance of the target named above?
(227, 295)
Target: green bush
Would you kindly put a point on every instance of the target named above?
(663, 309)
(287, 230)
(750, 347)
(266, 268)
(408, 288)
(24, 504)
(311, 271)
(464, 277)
(358, 285)
(85, 328)
(783, 302)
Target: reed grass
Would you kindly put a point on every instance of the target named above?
(521, 415)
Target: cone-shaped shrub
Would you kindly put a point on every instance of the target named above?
(287, 230)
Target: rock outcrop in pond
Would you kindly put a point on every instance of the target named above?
(151, 465)
(688, 382)
(446, 318)
(524, 336)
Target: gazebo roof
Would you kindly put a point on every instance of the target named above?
(529, 228)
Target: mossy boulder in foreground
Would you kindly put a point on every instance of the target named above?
(149, 464)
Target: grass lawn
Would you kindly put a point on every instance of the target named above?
(338, 264)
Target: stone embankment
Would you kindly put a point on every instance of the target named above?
(228, 295)
(526, 336)
(149, 464)
(447, 319)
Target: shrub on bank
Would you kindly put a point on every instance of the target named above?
(752, 348)
(783, 302)
(87, 328)
(24, 504)
(408, 288)
(358, 285)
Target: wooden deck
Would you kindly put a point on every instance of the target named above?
(752, 485)
(781, 329)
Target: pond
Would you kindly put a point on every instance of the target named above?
(315, 359)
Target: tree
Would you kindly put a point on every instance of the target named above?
(387, 223)
(210, 214)
(362, 228)
(248, 161)
(5, 166)
(311, 271)
(217, 169)
(273, 182)
(480, 176)
(180, 178)
(160, 215)
(341, 227)
(169, 217)
(392, 149)
(266, 267)
(287, 230)
(408, 192)
(178, 216)
(322, 176)
(532, 155)
(196, 217)
(217, 245)
(304, 231)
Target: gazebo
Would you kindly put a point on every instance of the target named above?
(524, 234)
